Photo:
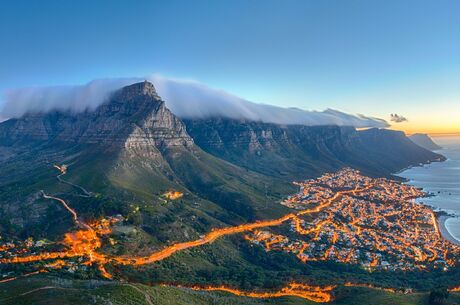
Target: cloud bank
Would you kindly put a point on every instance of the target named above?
(186, 99)
(397, 118)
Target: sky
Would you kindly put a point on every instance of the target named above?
(369, 57)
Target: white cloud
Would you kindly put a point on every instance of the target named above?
(186, 99)
(397, 118)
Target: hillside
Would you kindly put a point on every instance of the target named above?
(295, 151)
(423, 140)
(130, 147)
(71, 292)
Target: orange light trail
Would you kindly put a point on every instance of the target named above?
(349, 284)
(218, 233)
(71, 211)
(24, 275)
(311, 293)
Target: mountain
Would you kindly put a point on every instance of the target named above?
(125, 155)
(135, 118)
(423, 140)
(131, 148)
(297, 151)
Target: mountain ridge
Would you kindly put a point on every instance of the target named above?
(133, 144)
(297, 151)
(136, 121)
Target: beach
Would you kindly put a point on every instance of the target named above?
(444, 231)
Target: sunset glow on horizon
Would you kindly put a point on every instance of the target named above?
(371, 58)
(431, 128)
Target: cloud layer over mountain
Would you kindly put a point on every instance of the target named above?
(186, 99)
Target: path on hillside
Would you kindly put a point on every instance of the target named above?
(63, 170)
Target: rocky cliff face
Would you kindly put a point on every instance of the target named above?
(136, 121)
(296, 151)
(135, 117)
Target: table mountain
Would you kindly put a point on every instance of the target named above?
(132, 148)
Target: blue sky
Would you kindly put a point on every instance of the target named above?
(372, 57)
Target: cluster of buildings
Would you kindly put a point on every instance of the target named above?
(173, 195)
(75, 252)
(349, 218)
(21, 247)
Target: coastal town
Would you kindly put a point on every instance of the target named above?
(377, 224)
(344, 217)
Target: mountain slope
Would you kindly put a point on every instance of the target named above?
(296, 152)
(423, 140)
(131, 148)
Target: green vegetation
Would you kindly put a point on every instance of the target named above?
(51, 290)
(216, 194)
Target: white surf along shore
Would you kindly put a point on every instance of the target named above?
(442, 179)
(443, 223)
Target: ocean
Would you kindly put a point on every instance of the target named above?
(442, 179)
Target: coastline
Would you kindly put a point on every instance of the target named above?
(442, 217)
(423, 164)
(444, 231)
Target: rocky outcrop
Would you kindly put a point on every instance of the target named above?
(135, 117)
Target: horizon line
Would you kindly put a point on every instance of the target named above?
(453, 134)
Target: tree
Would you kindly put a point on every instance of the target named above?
(438, 296)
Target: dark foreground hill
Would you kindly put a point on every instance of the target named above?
(51, 290)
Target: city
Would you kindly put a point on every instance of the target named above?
(379, 226)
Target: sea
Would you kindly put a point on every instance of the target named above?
(442, 179)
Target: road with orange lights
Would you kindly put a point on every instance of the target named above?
(311, 293)
(218, 233)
